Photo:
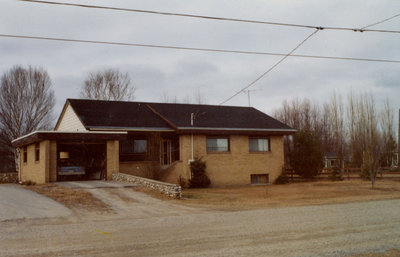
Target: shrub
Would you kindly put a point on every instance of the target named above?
(335, 175)
(282, 179)
(199, 177)
(307, 157)
(182, 182)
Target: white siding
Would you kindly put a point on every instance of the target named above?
(70, 121)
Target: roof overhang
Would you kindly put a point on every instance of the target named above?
(38, 136)
(139, 129)
(248, 131)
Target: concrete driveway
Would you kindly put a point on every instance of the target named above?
(93, 184)
(19, 203)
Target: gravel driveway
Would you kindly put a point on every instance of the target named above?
(18, 203)
(326, 230)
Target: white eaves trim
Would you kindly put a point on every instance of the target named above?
(129, 129)
(70, 132)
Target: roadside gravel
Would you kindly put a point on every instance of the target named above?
(326, 230)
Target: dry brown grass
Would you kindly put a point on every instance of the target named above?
(71, 198)
(388, 253)
(297, 194)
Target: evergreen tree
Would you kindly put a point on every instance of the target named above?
(307, 157)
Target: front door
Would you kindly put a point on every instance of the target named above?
(166, 152)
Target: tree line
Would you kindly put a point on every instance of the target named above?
(27, 101)
(360, 134)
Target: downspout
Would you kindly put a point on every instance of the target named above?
(191, 124)
(18, 163)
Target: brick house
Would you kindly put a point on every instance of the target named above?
(92, 139)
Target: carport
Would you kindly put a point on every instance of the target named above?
(49, 156)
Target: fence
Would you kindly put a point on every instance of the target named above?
(347, 173)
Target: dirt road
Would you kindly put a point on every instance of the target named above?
(327, 230)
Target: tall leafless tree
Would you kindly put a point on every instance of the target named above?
(197, 98)
(338, 130)
(388, 135)
(26, 103)
(109, 84)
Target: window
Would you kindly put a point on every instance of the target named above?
(259, 179)
(25, 155)
(140, 146)
(133, 150)
(259, 144)
(37, 152)
(217, 144)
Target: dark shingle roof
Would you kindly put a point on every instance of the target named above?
(114, 114)
(95, 113)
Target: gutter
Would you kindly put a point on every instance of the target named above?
(238, 129)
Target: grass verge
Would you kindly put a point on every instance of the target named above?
(71, 198)
(297, 194)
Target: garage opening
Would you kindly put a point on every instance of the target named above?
(81, 161)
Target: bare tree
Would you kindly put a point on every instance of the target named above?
(365, 136)
(338, 127)
(388, 136)
(109, 84)
(197, 98)
(26, 103)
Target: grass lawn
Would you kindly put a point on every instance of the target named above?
(296, 194)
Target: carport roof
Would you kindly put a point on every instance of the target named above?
(38, 136)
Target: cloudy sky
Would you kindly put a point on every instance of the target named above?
(163, 73)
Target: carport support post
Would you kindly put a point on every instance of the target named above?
(112, 158)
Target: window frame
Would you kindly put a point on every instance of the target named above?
(216, 138)
(132, 155)
(262, 138)
(256, 179)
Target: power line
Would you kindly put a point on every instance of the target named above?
(195, 48)
(270, 69)
(382, 21)
(211, 17)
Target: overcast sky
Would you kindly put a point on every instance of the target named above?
(157, 73)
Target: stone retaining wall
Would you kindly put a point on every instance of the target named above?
(8, 177)
(171, 190)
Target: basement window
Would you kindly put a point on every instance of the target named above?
(37, 152)
(259, 179)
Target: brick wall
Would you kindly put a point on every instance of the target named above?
(112, 158)
(236, 166)
(224, 169)
(32, 170)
